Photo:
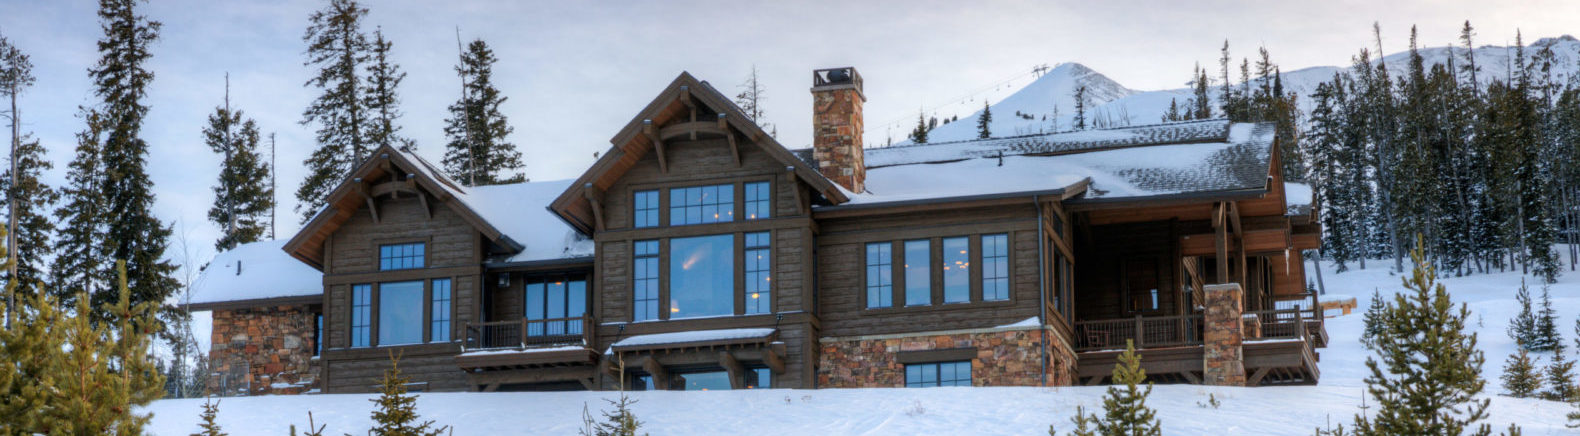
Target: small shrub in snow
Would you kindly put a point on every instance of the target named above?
(1083, 424)
(1519, 375)
(1212, 401)
(1544, 336)
(1125, 410)
(1522, 328)
(1560, 379)
(210, 428)
(312, 428)
(396, 411)
(620, 422)
(915, 409)
(1373, 319)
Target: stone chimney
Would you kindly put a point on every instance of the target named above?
(836, 126)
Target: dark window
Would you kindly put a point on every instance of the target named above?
(401, 256)
(439, 316)
(932, 375)
(995, 267)
(318, 334)
(758, 200)
(880, 275)
(361, 314)
(702, 276)
(701, 205)
(759, 280)
(400, 313)
(646, 208)
(645, 281)
(918, 272)
(759, 378)
(1141, 283)
(555, 299)
(957, 270)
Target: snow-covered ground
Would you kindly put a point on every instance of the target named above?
(1294, 410)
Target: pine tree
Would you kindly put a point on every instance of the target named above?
(983, 122)
(1080, 108)
(1126, 411)
(1417, 394)
(919, 134)
(105, 370)
(1201, 104)
(339, 49)
(243, 197)
(1173, 113)
(1560, 379)
(210, 428)
(132, 233)
(751, 99)
(1522, 328)
(78, 263)
(30, 353)
(1083, 424)
(396, 411)
(477, 152)
(1375, 320)
(26, 196)
(381, 91)
(1544, 332)
(1520, 377)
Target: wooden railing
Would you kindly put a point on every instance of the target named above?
(1156, 331)
(1278, 324)
(529, 333)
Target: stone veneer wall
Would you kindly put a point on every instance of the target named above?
(263, 350)
(1005, 357)
(1223, 336)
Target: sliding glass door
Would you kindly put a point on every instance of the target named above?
(554, 305)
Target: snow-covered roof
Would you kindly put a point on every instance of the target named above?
(520, 210)
(255, 271)
(692, 337)
(1298, 198)
(1198, 156)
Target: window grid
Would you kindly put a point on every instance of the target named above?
(645, 281)
(918, 272)
(759, 280)
(361, 311)
(401, 256)
(646, 208)
(701, 205)
(957, 270)
(995, 267)
(880, 275)
(932, 375)
(439, 324)
(758, 195)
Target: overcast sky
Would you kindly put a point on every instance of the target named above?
(575, 72)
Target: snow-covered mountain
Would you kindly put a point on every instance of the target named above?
(1109, 100)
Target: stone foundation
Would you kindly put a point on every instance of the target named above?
(1223, 336)
(263, 350)
(1004, 357)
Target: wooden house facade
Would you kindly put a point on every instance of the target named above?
(699, 253)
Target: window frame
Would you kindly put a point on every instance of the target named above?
(887, 269)
(982, 273)
(657, 279)
(766, 297)
(367, 316)
(424, 258)
(569, 328)
(657, 209)
(432, 311)
(767, 202)
(936, 278)
(726, 216)
(938, 378)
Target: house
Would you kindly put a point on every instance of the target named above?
(699, 253)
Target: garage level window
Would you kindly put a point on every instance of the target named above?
(932, 375)
(361, 314)
(401, 256)
(759, 280)
(646, 208)
(880, 275)
(702, 205)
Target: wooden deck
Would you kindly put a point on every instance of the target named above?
(1279, 348)
(529, 351)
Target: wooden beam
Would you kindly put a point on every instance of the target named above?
(800, 203)
(1256, 378)
(593, 195)
(1190, 377)
(734, 368)
(775, 362)
(657, 372)
(362, 188)
(1221, 241)
(658, 145)
(735, 151)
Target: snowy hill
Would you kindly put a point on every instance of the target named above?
(1113, 101)
(1285, 410)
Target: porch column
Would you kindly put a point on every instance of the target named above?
(1223, 361)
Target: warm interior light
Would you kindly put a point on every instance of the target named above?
(754, 295)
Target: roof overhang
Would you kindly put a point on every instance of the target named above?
(292, 300)
(955, 202)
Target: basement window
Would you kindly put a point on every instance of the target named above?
(932, 375)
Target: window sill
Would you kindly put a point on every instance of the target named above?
(938, 307)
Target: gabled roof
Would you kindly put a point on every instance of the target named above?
(351, 195)
(1131, 162)
(671, 105)
(255, 272)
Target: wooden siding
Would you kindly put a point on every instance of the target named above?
(841, 254)
(1100, 268)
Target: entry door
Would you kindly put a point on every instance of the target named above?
(557, 304)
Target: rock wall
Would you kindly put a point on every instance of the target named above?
(1004, 357)
(263, 350)
(1223, 362)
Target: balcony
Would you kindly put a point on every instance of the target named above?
(528, 344)
(1277, 348)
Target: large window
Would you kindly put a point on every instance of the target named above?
(702, 276)
(957, 270)
(645, 281)
(931, 375)
(918, 272)
(361, 314)
(400, 313)
(646, 203)
(401, 256)
(555, 299)
(439, 312)
(701, 205)
(880, 275)
(995, 267)
(759, 280)
(759, 198)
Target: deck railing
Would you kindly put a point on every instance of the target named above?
(1278, 324)
(1155, 331)
(529, 333)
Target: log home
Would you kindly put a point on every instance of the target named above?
(699, 253)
